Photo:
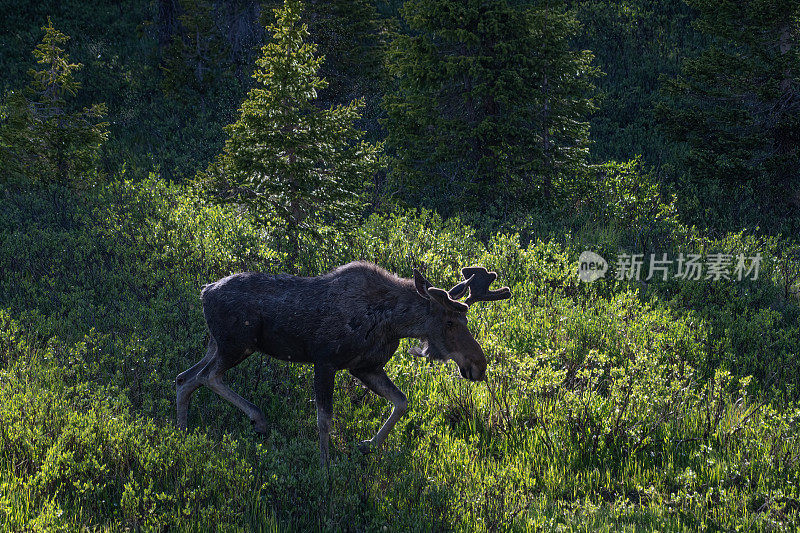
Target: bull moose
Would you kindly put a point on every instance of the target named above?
(351, 318)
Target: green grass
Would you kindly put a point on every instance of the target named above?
(609, 407)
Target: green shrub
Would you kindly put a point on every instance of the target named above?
(73, 454)
(621, 205)
(609, 405)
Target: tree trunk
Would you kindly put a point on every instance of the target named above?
(167, 21)
(293, 233)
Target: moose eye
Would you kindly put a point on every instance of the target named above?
(450, 324)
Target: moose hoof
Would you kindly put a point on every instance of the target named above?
(366, 447)
(259, 427)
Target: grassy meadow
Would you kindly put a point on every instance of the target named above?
(610, 406)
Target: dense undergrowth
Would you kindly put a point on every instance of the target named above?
(611, 405)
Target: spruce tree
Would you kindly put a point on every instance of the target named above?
(287, 158)
(489, 105)
(41, 138)
(735, 109)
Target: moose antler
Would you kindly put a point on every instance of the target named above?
(477, 280)
(461, 289)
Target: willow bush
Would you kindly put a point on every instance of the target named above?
(611, 405)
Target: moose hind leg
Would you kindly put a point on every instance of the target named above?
(187, 382)
(379, 383)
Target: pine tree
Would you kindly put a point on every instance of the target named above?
(284, 156)
(489, 105)
(736, 110)
(40, 138)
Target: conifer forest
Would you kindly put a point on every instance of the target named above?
(629, 169)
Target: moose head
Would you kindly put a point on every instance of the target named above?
(447, 335)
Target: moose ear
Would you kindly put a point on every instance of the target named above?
(441, 297)
(421, 284)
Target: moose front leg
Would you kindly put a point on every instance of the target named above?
(324, 377)
(379, 383)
